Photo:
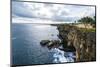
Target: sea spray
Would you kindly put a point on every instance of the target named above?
(58, 56)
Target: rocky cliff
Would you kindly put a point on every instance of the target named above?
(83, 42)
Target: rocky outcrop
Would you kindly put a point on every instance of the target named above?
(76, 40)
(83, 42)
(50, 43)
(44, 42)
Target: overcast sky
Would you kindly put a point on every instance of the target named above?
(30, 12)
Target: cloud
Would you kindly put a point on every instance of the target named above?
(19, 9)
(53, 12)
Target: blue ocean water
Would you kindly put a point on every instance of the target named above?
(26, 48)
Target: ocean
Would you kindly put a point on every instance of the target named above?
(26, 48)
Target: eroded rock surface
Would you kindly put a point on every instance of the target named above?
(83, 42)
(75, 40)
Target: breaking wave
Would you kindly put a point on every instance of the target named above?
(58, 56)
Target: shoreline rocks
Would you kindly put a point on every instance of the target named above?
(50, 43)
(74, 40)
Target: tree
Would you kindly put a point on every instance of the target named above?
(87, 20)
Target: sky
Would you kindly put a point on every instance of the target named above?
(31, 12)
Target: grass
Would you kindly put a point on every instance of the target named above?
(87, 30)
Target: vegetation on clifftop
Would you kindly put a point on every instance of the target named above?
(88, 20)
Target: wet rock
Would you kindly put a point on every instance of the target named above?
(68, 49)
(44, 42)
(50, 43)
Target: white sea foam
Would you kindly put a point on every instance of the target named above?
(58, 56)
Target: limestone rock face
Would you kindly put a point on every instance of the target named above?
(83, 42)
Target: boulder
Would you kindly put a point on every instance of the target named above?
(50, 43)
(44, 42)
